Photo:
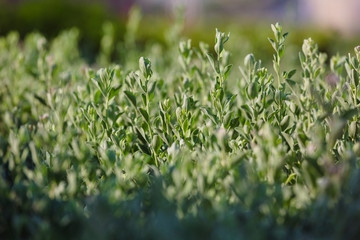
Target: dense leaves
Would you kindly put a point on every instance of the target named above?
(177, 144)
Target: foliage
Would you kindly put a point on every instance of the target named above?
(174, 145)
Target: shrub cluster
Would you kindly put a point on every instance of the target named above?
(174, 146)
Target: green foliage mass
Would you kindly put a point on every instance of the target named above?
(178, 144)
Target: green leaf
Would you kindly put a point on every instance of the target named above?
(41, 100)
(291, 73)
(212, 63)
(290, 82)
(227, 119)
(144, 99)
(99, 86)
(348, 114)
(141, 136)
(97, 96)
(229, 101)
(114, 92)
(131, 97)
(208, 113)
(227, 70)
(152, 87)
(145, 115)
(302, 57)
(352, 130)
(273, 28)
(235, 122)
(252, 90)
(186, 125)
(355, 77)
(291, 177)
(162, 135)
(144, 148)
(247, 110)
(273, 44)
(145, 67)
(281, 50)
(289, 140)
(156, 143)
(285, 122)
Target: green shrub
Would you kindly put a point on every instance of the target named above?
(178, 144)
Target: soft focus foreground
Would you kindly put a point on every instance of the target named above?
(180, 143)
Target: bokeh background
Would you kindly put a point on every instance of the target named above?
(333, 24)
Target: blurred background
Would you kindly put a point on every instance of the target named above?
(334, 24)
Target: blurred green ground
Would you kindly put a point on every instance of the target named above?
(50, 17)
